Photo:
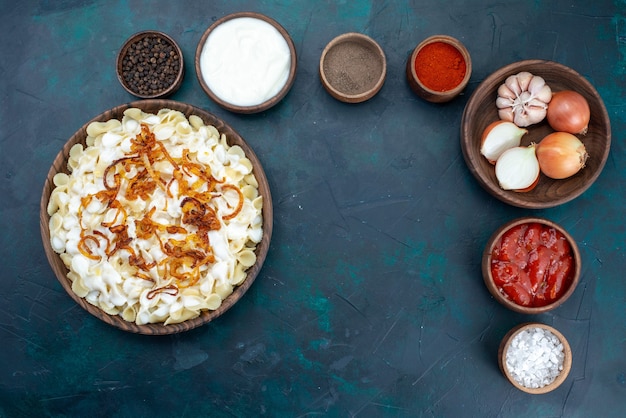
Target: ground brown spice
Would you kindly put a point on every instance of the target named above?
(352, 68)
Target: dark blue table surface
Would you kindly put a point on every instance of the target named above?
(371, 300)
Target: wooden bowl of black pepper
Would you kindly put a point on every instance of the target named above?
(150, 65)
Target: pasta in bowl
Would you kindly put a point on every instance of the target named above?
(156, 217)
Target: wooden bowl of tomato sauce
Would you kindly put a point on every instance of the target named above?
(531, 265)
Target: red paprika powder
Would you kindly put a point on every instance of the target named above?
(440, 66)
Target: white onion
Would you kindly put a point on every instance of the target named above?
(517, 169)
(498, 137)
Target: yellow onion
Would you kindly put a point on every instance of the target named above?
(568, 112)
(561, 155)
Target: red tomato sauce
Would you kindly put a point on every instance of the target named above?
(532, 264)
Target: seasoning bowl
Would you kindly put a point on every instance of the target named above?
(439, 68)
(521, 349)
(481, 111)
(150, 77)
(511, 282)
(247, 75)
(353, 67)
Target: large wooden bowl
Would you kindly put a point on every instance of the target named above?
(60, 165)
(481, 110)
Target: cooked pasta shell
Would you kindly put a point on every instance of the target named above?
(247, 258)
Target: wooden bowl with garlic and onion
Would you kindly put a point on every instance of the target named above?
(495, 98)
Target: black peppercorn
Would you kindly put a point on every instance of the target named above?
(150, 65)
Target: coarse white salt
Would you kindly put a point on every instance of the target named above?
(535, 358)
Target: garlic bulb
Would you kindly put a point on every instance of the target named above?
(523, 99)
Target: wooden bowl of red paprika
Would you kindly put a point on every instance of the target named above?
(531, 265)
(439, 68)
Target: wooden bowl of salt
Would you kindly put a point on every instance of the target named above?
(353, 67)
(535, 358)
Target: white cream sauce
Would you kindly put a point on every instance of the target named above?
(245, 61)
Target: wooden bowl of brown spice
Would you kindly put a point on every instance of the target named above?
(353, 68)
(150, 65)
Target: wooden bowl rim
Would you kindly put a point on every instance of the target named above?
(370, 43)
(269, 102)
(459, 47)
(153, 106)
(567, 357)
(488, 278)
(468, 141)
(122, 52)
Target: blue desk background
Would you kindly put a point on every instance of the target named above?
(371, 301)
